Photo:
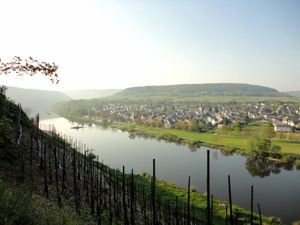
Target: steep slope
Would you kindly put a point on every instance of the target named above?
(195, 90)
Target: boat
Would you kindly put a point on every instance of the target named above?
(77, 127)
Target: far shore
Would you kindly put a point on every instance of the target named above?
(290, 153)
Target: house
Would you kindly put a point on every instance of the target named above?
(221, 125)
(282, 128)
(167, 124)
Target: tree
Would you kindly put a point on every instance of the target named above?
(21, 67)
(236, 126)
(193, 125)
(30, 67)
(267, 131)
(3, 90)
(181, 125)
(260, 145)
(276, 149)
(263, 144)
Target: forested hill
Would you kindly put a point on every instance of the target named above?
(35, 101)
(194, 90)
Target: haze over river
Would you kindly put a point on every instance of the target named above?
(276, 189)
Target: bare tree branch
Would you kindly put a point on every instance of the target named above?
(30, 67)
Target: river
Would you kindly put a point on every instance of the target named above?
(276, 189)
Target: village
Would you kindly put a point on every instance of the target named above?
(285, 117)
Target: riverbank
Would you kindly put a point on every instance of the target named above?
(229, 144)
(168, 192)
(290, 150)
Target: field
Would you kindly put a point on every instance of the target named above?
(229, 141)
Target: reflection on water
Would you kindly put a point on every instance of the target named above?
(275, 186)
(260, 167)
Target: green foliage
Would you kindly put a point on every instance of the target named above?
(276, 148)
(20, 207)
(3, 90)
(2, 100)
(263, 144)
(181, 125)
(267, 131)
(193, 125)
(236, 126)
(201, 126)
(297, 163)
(260, 145)
(287, 160)
(5, 129)
(169, 192)
(15, 207)
(157, 123)
(5, 125)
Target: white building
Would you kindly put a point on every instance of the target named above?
(282, 128)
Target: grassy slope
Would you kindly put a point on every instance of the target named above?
(169, 192)
(20, 206)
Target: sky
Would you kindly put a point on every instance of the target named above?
(118, 44)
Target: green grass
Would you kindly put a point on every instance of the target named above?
(229, 142)
(169, 192)
(18, 206)
(288, 147)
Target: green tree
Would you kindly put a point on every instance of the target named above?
(181, 125)
(260, 145)
(267, 131)
(201, 126)
(236, 126)
(157, 122)
(193, 125)
(5, 129)
(276, 148)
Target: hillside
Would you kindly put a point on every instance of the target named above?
(197, 90)
(90, 94)
(36, 101)
(294, 93)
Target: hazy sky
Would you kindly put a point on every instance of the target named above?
(119, 44)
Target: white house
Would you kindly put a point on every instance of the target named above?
(282, 128)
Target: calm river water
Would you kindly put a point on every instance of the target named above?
(276, 189)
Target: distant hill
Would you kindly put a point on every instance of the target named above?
(90, 94)
(294, 93)
(195, 90)
(35, 101)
